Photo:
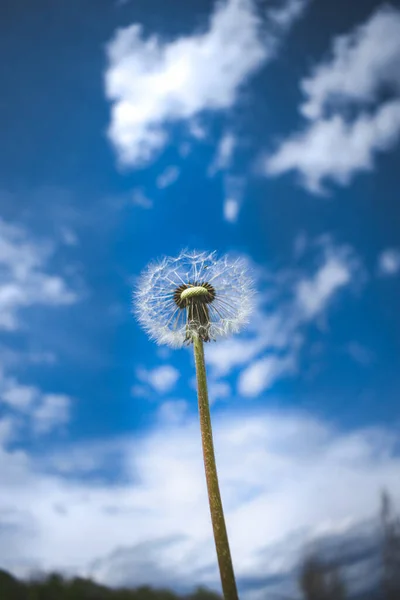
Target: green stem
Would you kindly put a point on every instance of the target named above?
(217, 514)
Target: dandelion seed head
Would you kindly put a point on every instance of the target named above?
(195, 294)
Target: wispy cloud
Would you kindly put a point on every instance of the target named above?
(28, 406)
(168, 177)
(333, 147)
(287, 13)
(26, 282)
(234, 186)
(224, 154)
(24, 278)
(139, 198)
(231, 210)
(269, 350)
(314, 293)
(263, 373)
(51, 413)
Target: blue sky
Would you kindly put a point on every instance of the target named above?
(131, 130)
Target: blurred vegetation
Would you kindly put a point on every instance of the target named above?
(317, 579)
(56, 587)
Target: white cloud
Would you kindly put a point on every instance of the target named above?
(168, 177)
(17, 396)
(389, 262)
(93, 528)
(24, 281)
(234, 190)
(362, 62)
(52, 412)
(224, 154)
(42, 412)
(231, 210)
(279, 322)
(332, 146)
(313, 294)
(265, 331)
(162, 379)
(263, 373)
(152, 83)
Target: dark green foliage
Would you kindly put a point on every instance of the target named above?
(55, 587)
(11, 587)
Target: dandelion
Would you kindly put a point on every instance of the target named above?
(192, 299)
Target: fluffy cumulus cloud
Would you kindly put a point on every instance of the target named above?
(332, 146)
(152, 83)
(270, 347)
(389, 262)
(285, 479)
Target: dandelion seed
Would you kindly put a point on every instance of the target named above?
(192, 299)
(213, 297)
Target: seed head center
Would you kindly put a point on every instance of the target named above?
(196, 290)
(196, 293)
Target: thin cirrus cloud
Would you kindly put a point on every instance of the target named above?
(151, 83)
(330, 147)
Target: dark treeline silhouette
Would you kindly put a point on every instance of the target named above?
(318, 580)
(56, 587)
